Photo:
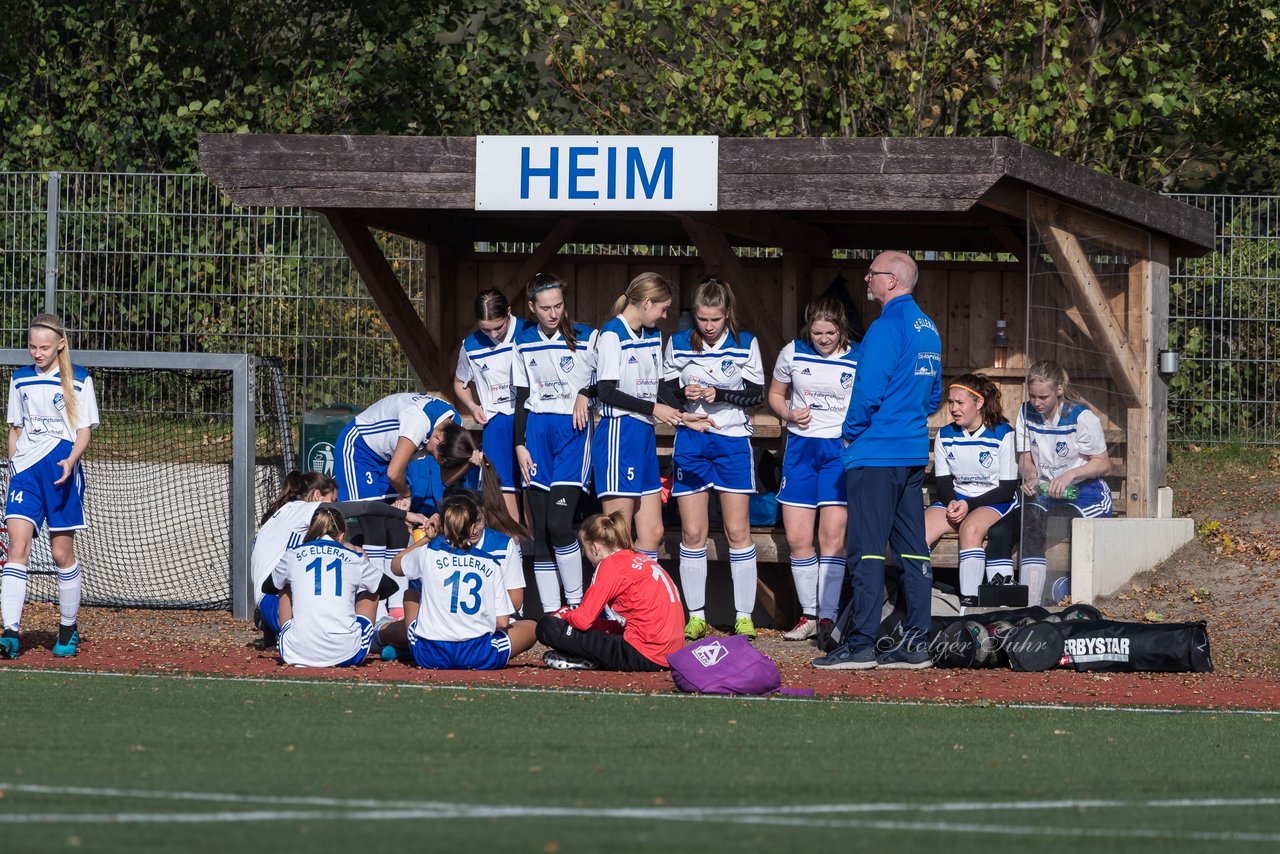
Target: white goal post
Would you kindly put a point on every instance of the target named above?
(176, 529)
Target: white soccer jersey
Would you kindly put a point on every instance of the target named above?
(413, 416)
(36, 405)
(463, 591)
(489, 368)
(508, 553)
(283, 531)
(727, 364)
(552, 372)
(324, 578)
(822, 383)
(631, 360)
(976, 461)
(1060, 445)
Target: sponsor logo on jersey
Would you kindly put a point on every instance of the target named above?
(633, 361)
(984, 459)
(710, 654)
(951, 455)
(483, 367)
(728, 368)
(806, 372)
(846, 379)
(566, 363)
(562, 503)
(927, 364)
(533, 363)
(1060, 449)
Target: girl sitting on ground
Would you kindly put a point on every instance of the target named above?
(632, 586)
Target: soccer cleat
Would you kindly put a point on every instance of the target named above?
(901, 658)
(68, 643)
(823, 637)
(9, 644)
(743, 626)
(803, 630)
(559, 661)
(695, 629)
(844, 658)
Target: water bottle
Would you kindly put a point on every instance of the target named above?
(1071, 493)
(418, 534)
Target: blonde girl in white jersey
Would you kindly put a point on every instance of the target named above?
(52, 410)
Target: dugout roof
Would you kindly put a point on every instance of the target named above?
(806, 194)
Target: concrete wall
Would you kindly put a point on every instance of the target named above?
(1107, 553)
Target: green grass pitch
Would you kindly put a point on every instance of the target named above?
(94, 762)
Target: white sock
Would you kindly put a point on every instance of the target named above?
(548, 581)
(830, 579)
(13, 593)
(999, 566)
(693, 579)
(569, 562)
(742, 565)
(69, 594)
(1033, 572)
(804, 571)
(972, 565)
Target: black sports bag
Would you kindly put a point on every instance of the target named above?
(1112, 646)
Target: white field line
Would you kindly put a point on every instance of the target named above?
(528, 689)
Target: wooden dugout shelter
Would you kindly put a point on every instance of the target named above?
(1088, 285)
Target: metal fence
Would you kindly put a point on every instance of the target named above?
(165, 262)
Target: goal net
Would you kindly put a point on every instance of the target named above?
(189, 447)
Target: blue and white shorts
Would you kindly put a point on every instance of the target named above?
(561, 455)
(364, 627)
(34, 497)
(626, 458)
(710, 461)
(498, 443)
(487, 652)
(360, 473)
(812, 474)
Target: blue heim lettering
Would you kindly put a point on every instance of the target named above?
(582, 168)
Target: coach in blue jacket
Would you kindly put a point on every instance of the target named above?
(886, 433)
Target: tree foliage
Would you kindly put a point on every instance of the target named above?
(1168, 95)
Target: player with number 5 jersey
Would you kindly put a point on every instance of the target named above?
(52, 410)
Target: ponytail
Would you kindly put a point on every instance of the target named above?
(549, 282)
(459, 516)
(325, 522)
(297, 486)
(495, 506)
(66, 371)
(612, 531)
(646, 286)
(987, 395)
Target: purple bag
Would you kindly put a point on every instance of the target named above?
(724, 666)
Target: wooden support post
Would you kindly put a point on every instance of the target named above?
(1073, 265)
(1146, 466)
(388, 294)
(541, 257)
(720, 259)
(441, 311)
(797, 270)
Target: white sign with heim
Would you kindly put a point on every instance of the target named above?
(597, 173)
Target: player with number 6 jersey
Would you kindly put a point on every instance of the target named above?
(716, 371)
(554, 362)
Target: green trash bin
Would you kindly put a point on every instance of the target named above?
(319, 435)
